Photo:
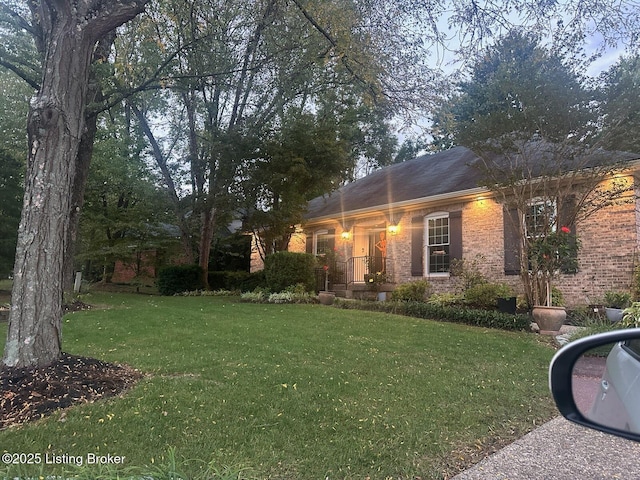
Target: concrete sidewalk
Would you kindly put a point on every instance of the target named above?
(560, 450)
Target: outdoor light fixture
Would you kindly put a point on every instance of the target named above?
(393, 229)
(345, 235)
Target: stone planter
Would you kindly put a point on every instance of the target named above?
(326, 298)
(614, 314)
(549, 319)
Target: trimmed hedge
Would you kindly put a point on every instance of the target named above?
(180, 278)
(467, 316)
(237, 280)
(486, 295)
(287, 269)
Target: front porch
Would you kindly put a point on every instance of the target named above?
(357, 277)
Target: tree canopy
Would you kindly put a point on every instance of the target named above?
(204, 79)
(620, 102)
(516, 90)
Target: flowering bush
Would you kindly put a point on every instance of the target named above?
(555, 252)
(550, 255)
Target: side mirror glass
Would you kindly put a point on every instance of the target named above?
(595, 382)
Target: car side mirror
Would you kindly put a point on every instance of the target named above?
(595, 382)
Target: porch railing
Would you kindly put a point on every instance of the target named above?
(337, 275)
(354, 270)
(359, 267)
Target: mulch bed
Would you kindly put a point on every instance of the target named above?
(31, 393)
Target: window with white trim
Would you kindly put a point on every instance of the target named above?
(322, 243)
(437, 244)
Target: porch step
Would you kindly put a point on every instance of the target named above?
(340, 290)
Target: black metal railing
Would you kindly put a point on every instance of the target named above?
(359, 269)
(354, 270)
(335, 274)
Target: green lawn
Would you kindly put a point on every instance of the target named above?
(294, 391)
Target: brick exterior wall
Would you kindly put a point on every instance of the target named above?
(482, 242)
(607, 258)
(296, 244)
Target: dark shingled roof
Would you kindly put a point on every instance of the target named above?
(447, 172)
(426, 176)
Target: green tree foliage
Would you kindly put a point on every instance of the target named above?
(14, 100)
(303, 159)
(516, 90)
(225, 113)
(620, 97)
(125, 214)
(525, 113)
(10, 206)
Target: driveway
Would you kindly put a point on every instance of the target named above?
(561, 450)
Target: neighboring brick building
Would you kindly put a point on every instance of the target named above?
(421, 214)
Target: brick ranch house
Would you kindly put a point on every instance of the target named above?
(411, 219)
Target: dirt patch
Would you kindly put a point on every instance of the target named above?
(33, 393)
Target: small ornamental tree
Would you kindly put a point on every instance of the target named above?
(546, 191)
(550, 255)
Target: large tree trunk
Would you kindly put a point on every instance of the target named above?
(207, 230)
(70, 30)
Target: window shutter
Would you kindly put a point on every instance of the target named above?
(565, 219)
(511, 241)
(455, 235)
(417, 246)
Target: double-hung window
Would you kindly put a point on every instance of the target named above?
(540, 218)
(323, 242)
(437, 244)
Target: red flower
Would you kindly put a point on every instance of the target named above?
(565, 230)
(326, 267)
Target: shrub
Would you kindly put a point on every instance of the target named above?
(237, 280)
(180, 278)
(256, 296)
(486, 295)
(468, 316)
(446, 299)
(590, 322)
(631, 318)
(411, 291)
(466, 273)
(211, 293)
(291, 295)
(285, 269)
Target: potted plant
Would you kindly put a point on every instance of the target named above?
(375, 281)
(326, 297)
(548, 255)
(615, 303)
(631, 316)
